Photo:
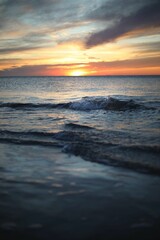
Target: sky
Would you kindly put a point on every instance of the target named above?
(79, 37)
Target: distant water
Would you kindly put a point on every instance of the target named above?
(108, 120)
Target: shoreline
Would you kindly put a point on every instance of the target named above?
(47, 194)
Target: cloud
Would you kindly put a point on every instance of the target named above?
(128, 63)
(27, 70)
(98, 68)
(41, 13)
(39, 70)
(148, 48)
(43, 22)
(36, 31)
(17, 49)
(137, 18)
(31, 41)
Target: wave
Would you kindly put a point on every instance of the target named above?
(146, 148)
(91, 146)
(105, 103)
(4, 133)
(75, 126)
(119, 156)
(28, 138)
(87, 137)
(25, 106)
(30, 142)
(84, 104)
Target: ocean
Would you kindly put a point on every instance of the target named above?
(72, 149)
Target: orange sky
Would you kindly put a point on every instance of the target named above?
(75, 38)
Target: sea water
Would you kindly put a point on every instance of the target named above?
(113, 120)
(91, 136)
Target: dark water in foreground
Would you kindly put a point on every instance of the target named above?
(49, 127)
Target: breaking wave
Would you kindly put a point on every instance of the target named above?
(85, 104)
(109, 103)
(91, 146)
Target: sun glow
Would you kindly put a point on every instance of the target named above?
(77, 73)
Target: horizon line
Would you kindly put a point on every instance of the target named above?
(120, 75)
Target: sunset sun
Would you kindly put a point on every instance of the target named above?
(77, 73)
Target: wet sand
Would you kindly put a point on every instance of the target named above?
(46, 194)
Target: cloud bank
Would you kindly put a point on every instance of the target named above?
(126, 19)
(37, 34)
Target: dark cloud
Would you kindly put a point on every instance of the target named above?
(144, 15)
(27, 70)
(128, 63)
(37, 70)
(114, 9)
(17, 49)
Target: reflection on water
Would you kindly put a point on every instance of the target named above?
(44, 192)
